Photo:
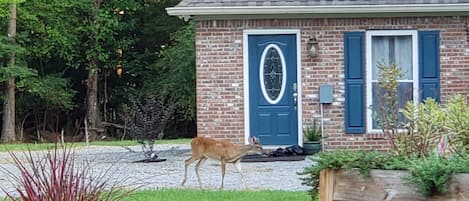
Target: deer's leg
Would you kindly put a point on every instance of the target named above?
(186, 164)
(197, 166)
(237, 164)
(223, 168)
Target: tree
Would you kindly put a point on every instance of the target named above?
(175, 71)
(48, 33)
(92, 110)
(65, 57)
(8, 129)
(9, 72)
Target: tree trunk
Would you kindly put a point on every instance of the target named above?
(8, 129)
(92, 113)
(93, 117)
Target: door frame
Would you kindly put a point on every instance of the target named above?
(248, 32)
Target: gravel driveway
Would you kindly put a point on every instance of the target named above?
(169, 174)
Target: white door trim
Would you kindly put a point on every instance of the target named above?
(248, 32)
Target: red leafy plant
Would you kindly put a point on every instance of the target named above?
(58, 176)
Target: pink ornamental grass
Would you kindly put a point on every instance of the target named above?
(58, 176)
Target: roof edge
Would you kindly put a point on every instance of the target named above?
(339, 10)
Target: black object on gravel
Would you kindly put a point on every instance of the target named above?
(291, 153)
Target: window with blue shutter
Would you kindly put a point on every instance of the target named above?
(415, 52)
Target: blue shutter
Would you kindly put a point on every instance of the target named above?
(354, 82)
(429, 65)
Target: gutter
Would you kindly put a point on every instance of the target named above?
(330, 10)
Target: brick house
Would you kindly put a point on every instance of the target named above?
(261, 64)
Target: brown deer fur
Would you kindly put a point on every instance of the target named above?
(223, 151)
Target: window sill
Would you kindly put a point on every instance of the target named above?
(375, 136)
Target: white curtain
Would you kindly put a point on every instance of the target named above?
(403, 55)
(392, 50)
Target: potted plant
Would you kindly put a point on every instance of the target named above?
(312, 144)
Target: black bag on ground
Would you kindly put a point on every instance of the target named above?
(295, 150)
(278, 152)
(288, 151)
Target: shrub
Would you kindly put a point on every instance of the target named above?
(385, 110)
(58, 177)
(346, 159)
(312, 133)
(428, 123)
(430, 175)
(457, 123)
(146, 120)
(424, 125)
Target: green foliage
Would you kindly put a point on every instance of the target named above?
(347, 160)
(313, 133)
(53, 90)
(57, 39)
(176, 71)
(6, 48)
(385, 112)
(457, 123)
(51, 31)
(425, 123)
(430, 175)
(4, 7)
(8, 71)
(16, 72)
(428, 123)
(315, 197)
(388, 105)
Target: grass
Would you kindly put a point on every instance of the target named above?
(45, 146)
(208, 195)
(212, 195)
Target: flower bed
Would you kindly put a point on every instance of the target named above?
(383, 185)
(353, 175)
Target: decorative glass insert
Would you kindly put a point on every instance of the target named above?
(272, 73)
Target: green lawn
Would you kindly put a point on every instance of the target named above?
(43, 146)
(208, 195)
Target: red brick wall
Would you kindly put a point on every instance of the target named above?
(220, 95)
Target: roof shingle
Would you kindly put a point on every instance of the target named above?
(242, 3)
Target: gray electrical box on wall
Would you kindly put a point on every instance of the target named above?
(325, 93)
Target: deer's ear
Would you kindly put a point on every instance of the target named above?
(254, 140)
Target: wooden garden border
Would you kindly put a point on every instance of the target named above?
(383, 185)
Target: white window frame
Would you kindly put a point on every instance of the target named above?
(369, 65)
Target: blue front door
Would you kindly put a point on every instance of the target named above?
(273, 114)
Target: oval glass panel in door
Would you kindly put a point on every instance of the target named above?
(272, 73)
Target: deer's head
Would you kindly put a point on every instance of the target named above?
(255, 146)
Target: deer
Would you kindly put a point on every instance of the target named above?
(204, 148)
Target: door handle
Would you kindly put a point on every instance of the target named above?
(295, 95)
(295, 99)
